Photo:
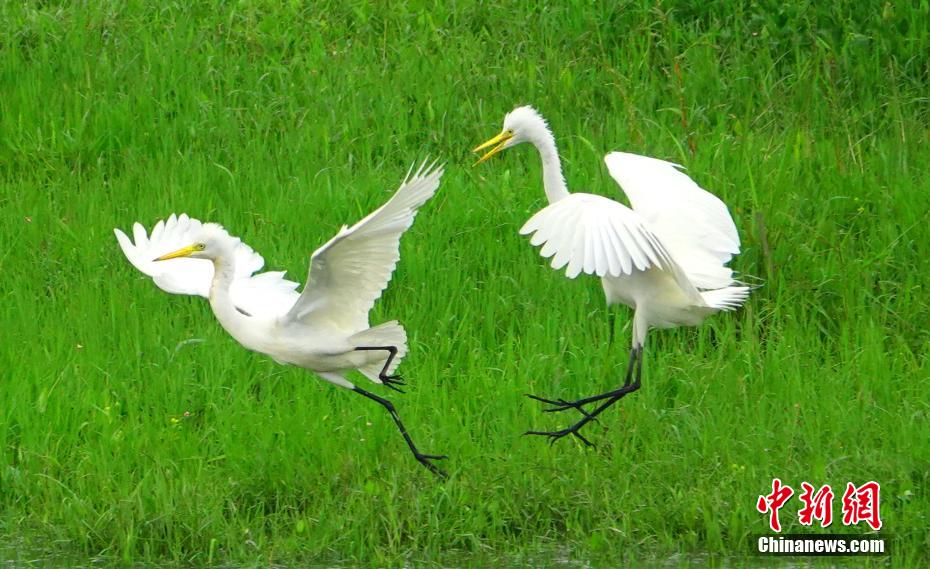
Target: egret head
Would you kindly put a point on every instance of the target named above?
(523, 124)
(209, 242)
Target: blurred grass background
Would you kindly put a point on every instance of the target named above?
(283, 120)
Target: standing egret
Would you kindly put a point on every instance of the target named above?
(665, 258)
(324, 328)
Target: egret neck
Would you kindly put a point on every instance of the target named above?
(231, 318)
(553, 181)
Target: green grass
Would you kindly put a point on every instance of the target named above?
(283, 122)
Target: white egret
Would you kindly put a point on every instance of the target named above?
(325, 328)
(665, 258)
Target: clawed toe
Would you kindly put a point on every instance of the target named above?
(543, 399)
(556, 435)
(433, 456)
(558, 405)
(392, 381)
(425, 459)
(601, 401)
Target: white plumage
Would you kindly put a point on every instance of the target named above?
(594, 235)
(692, 223)
(325, 327)
(665, 258)
(348, 273)
(264, 293)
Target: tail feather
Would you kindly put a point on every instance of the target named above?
(728, 298)
(387, 334)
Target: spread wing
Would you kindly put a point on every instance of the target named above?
(266, 293)
(598, 236)
(693, 224)
(350, 271)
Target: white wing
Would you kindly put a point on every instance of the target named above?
(693, 224)
(266, 293)
(596, 235)
(350, 271)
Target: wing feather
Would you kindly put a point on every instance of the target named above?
(694, 225)
(576, 260)
(349, 272)
(559, 237)
(596, 235)
(601, 247)
(548, 249)
(616, 262)
(613, 253)
(266, 294)
(639, 254)
(589, 265)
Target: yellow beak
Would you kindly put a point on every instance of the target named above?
(500, 140)
(185, 252)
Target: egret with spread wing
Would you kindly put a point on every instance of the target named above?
(665, 258)
(325, 328)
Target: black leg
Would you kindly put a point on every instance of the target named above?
(391, 381)
(563, 405)
(629, 386)
(423, 459)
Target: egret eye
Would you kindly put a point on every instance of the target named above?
(200, 246)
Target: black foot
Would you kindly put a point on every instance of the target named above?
(557, 405)
(604, 400)
(392, 381)
(563, 405)
(425, 459)
(556, 435)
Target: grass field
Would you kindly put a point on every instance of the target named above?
(135, 429)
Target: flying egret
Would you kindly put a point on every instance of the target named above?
(665, 258)
(324, 328)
